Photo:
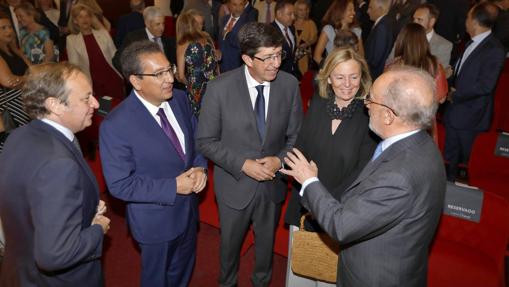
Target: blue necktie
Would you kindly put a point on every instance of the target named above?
(378, 152)
(260, 112)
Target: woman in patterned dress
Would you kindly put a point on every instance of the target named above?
(34, 38)
(196, 56)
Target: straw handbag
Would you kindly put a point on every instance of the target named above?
(314, 255)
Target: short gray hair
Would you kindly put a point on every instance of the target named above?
(404, 93)
(151, 12)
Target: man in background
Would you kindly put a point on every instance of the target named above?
(379, 44)
(130, 22)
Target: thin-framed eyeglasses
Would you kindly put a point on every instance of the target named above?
(272, 58)
(161, 74)
(368, 101)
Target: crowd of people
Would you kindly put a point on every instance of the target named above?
(225, 89)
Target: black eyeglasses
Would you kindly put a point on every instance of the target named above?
(272, 58)
(160, 75)
(368, 101)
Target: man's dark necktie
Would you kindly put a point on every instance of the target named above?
(288, 39)
(170, 132)
(458, 64)
(76, 144)
(260, 112)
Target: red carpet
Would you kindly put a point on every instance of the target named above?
(121, 261)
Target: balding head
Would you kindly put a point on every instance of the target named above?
(406, 101)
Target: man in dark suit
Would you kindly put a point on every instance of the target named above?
(153, 31)
(49, 198)
(285, 15)
(249, 119)
(241, 12)
(381, 38)
(386, 219)
(472, 86)
(149, 161)
(130, 22)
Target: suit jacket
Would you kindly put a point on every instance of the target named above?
(289, 64)
(77, 51)
(379, 45)
(140, 166)
(227, 134)
(441, 48)
(48, 198)
(126, 23)
(169, 46)
(229, 44)
(472, 102)
(386, 219)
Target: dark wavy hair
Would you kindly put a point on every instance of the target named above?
(255, 35)
(130, 57)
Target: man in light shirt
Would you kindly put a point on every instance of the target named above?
(386, 219)
(53, 220)
(426, 15)
(149, 161)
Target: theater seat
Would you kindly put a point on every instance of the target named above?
(486, 170)
(466, 253)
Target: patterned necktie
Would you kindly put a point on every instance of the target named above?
(76, 144)
(378, 152)
(170, 133)
(229, 26)
(288, 39)
(260, 112)
(158, 41)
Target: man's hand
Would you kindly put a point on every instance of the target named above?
(257, 171)
(451, 94)
(271, 162)
(185, 182)
(101, 208)
(301, 169)
(103, 221)
(200, 177)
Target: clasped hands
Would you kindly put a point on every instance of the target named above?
(99, 217)
(300, 168)
(262, 169)
(192, 180)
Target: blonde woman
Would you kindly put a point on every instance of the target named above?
(196, 56)
(335, 135)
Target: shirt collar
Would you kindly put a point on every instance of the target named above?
(480, 37)
(65, 131)
(430, 35)
(251, 82)
(150, 107)
(150, 36)
(281, 26)
(386, 143)
(378, 20)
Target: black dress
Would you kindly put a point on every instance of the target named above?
(340, 156)
(11, 106)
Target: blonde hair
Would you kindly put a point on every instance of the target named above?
(75, 11)
(187, 28)
(335, 58)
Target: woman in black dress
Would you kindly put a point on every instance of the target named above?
(335, 134)
(12, 69)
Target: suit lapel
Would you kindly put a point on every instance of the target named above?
(68, 144)
(245, 99)
(474, 53)
(183, 124)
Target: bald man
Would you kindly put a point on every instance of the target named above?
(386, 219)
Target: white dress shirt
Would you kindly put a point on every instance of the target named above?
(282, 28)
(169, 115)
(253, 93)
(65, 131)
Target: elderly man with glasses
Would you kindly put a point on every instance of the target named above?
(149, 161)
(386, 219)
(250, 118)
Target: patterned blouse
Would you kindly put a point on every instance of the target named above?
(200, 67)
(32, 44)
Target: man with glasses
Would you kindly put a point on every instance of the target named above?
(250, 118)
(149, 161)
(386, 219)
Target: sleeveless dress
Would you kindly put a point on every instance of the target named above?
(11, 105)
(200, 67)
